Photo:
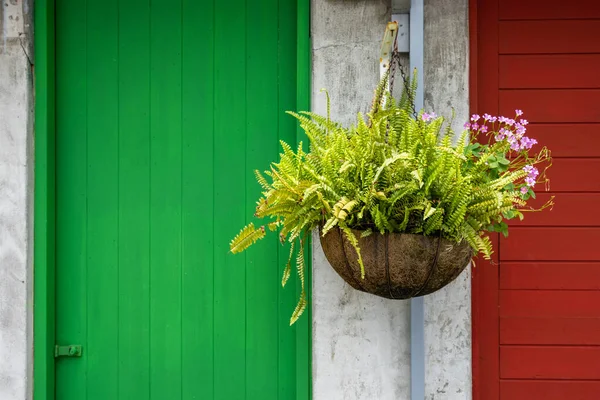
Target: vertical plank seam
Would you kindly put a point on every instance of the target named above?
(181, 130)
(278, 84)
(118, 355)
(150, 198)
(86, 198)
(213, 185)
(245, 193)
(497, 56)
(181, 203)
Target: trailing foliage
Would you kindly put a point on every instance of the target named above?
(394, 171)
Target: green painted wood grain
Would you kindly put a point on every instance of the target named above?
(165, 200)
(262, 266)
(102, 200)
(229, 195)
(44, 202)
(198, 137)
(134, 200)
(164, 111)
(71, 196)
(287, 132)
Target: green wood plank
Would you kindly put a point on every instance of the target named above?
(304, 333)
(229, 194)
(102, 200)
(165, 200)
(166, 112)
(197, 200)
(263, 271)
(287, 132)
(71, 196)
(44, 203)
(134, 199)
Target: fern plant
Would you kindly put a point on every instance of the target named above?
(397, 171)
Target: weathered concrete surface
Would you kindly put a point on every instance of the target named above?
(360, 342)
(16, 119)
(448, 312)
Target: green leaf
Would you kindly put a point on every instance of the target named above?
(429, 211)
(247, 237)
(366, 233)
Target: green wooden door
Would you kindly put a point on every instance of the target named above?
(163, 110)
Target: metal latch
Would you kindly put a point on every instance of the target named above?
(73, 350)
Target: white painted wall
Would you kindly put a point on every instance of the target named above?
(448, 312)
(360, 346)
(16, 120)
(361, 343)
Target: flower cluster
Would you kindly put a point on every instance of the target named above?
(507, 129)
(532, 175)
(507, 148)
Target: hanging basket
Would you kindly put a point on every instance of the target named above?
(397, 265)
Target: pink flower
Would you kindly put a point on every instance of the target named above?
(519, 113)
(528, 143)
(467, 125)
(493, 119)
(523, 121)
(502, 134)
(487, 117)
(475, 127)
(524, 189)
(532, 171)
(530, 182)
(483, 129)
(427, 117)
(475, 117)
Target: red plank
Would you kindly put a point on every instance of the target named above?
(550, 71)
(550, 303)
(552, 105)
(484, 73)
(550, 275)
(549, 37)
(525, 362)
(575, 175)
(565, 212)
(567, 140)
(550, 331)
(549, 9)
(551, 244)
(549, 390)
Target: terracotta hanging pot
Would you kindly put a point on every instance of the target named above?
(397, 265)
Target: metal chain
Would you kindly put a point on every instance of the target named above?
(395, 62)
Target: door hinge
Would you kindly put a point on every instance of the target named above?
(73, 350)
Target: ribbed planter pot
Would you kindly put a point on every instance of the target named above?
(397, 265)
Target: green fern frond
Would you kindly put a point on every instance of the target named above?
(247, 237)
(288, 266)
(300, 265)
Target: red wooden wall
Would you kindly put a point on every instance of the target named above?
(536, 309)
